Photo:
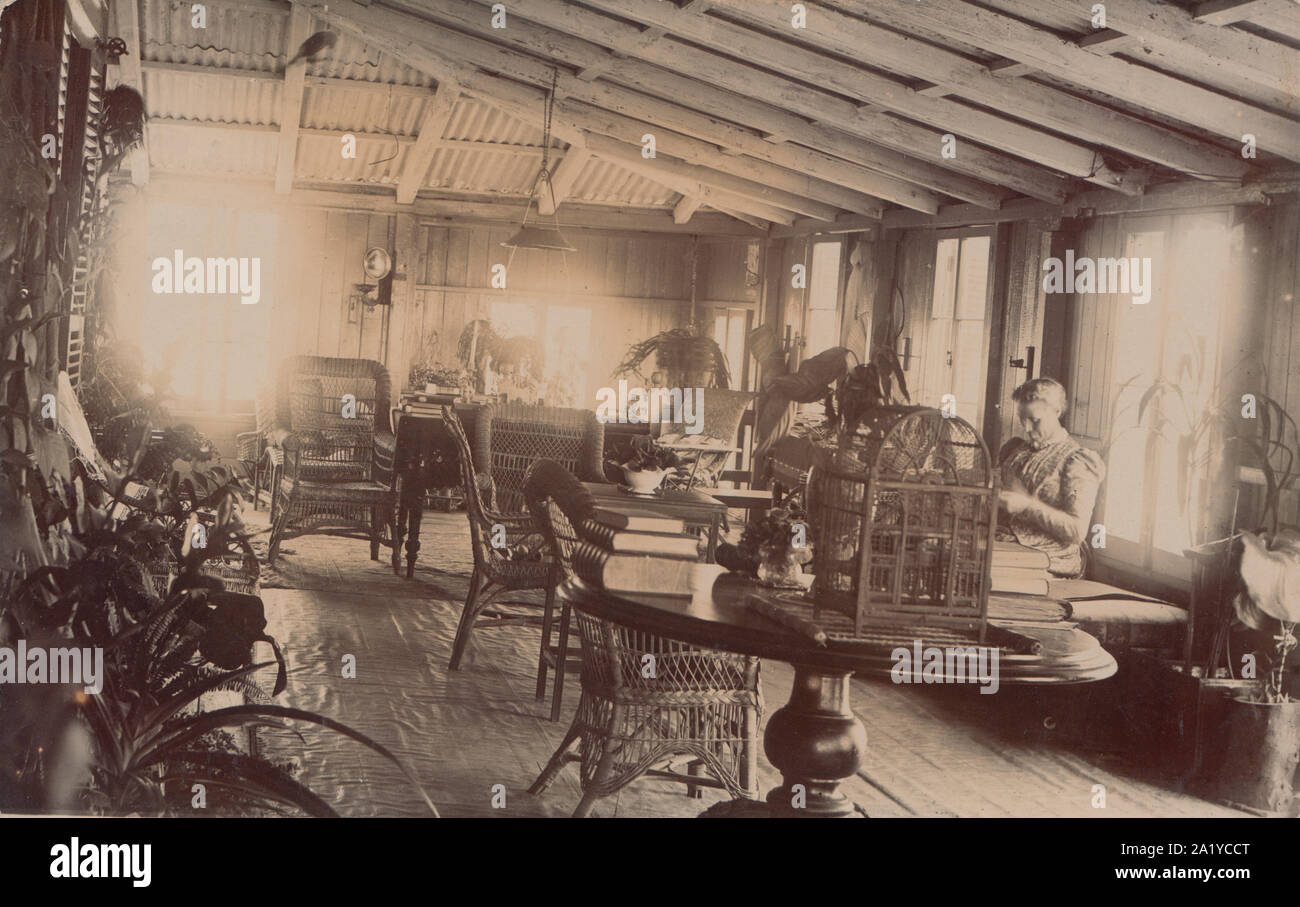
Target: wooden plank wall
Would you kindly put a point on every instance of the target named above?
(1279, 284)
(314, 313)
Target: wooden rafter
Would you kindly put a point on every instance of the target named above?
(819, 105)
(415, 168)
(291, 101)
(880, 91)
(685, 209)
(835, 156)
(1226, 12)
(1225, 58)
(630, 158)
(127, 14)
(562, 180)
(1118, 78)
(379, 28)
(394, 33)
(993, 87)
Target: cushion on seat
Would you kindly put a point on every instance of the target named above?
(359, 491)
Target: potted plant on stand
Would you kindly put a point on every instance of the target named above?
(641, 465)
(1262, 737)
(686, 357)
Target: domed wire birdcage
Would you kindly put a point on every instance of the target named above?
(903, 519)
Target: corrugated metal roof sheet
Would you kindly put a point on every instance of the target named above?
(247, 38)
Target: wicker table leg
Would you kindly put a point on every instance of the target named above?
(816, 741)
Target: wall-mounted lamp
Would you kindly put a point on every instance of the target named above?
(378, 266)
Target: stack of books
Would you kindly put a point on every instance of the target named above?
(1018, 568)
(420, 403)
(636, 550)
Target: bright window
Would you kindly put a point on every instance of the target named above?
(1153, 497)
(955, 354)
(822, 329)
(220, 343)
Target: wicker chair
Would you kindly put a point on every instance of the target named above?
(721, 414)
(699, 703)
(508, 438)
(521, 561)
(252, 447)
(337, 452)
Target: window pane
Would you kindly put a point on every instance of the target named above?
(945, 278)
(824, 286)
(1136, 340)
(972, 277)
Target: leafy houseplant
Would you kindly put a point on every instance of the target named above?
(1263, 728)
(447, 379)
(642, 464)
(1216, 435)
(687, 357)
(773, 547)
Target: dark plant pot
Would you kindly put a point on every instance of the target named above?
(687, 365)
(1262, 748)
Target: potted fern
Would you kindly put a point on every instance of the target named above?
(686, 356)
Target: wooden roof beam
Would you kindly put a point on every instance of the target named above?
(685, 209)
(415, 168)
(865, 168)
(562, 180)
(1118, 78)
(1171, 39)
(712, 68)
(1226, 12)
(1038, 103)
(127, 13)
(291, 97)
(879, 92)
(380, 29)
(629, 157)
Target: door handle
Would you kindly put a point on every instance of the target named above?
(1027, 363)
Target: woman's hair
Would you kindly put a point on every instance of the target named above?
(1049, 390)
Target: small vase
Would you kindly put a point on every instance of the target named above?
(783, 572)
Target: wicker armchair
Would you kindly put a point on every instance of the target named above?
(331, 432)
(508, 439)
(699, 703)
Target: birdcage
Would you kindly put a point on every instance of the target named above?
(903, 519)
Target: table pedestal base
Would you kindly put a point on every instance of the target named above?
(816, 741)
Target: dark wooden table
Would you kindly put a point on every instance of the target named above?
(815, 740)
(426, 457)
(695, 508)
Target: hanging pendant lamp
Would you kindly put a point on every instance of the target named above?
(539, 236)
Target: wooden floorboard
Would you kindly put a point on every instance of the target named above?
(930, 752)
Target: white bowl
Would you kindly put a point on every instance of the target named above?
(644, 481)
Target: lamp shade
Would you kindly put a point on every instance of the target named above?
(533, 237)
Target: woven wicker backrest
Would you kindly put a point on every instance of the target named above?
(310, 393)
(720, 414)
(616, 657)
(474, 501)
(558, 502)
(511, 437)
(334, 406)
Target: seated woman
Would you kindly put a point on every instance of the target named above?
(1049, 480)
